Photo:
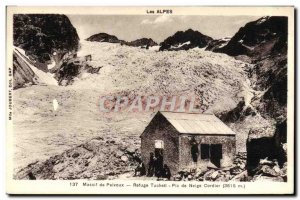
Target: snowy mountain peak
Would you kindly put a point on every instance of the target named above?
(195, 39)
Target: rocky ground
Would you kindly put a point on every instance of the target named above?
(100, 158)
(265, 171)
(117, 158)
(270, 171)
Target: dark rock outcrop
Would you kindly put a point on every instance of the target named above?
(214, 45)
(43, 35)
(237, 114)
(72, 68)
(280, 140)
(143, 42)
(271, 75)
(45, 38)
(265, 143)
(103, 37)
(259, 146)
(185, 40)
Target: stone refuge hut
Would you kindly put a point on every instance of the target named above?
(188, 140)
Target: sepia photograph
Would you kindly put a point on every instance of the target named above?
(154, 96)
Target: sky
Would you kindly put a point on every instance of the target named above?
(157, 27)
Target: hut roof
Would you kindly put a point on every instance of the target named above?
(196, 123)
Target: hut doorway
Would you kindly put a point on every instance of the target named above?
(216, 154)
(213, 152)
(159, 154)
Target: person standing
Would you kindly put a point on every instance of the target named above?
(194, 152)
(166, 172)
(159, 164)
(140, 169)
(151, 165)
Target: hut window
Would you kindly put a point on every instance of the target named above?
(204, 151)
(159, 144)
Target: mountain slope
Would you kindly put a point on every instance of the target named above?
(259, 38)
(264, 44)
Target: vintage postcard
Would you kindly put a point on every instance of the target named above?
(150, 100)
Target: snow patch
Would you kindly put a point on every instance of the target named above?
(247, 93)
(51, 65)
(55, 104)
(223, 45)
(180, 45)
(154, 48)
(186, 43)
(226, 39)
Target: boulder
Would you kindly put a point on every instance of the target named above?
(208, 174)
(124, 158)
(119, 153)
(268, 178)
(130, 150)
(75, 155)
(215, 175)
(268, 171)
(241, 176)
(102, 177)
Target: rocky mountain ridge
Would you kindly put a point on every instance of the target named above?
(184, 40)
(104, 37)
